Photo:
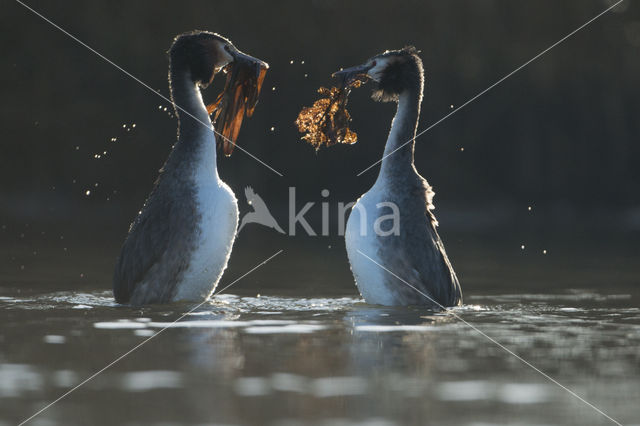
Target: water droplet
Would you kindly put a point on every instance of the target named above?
(462, 149)
(273, 128)
(522, 247)
(529, 208)
(291, 61)
(77, 148)
(302, 62)
(22, 267)
(124, 126)
(114, 139)
(133, 125)
(273, 89)
(451, 106)
(87, 193)
(544, 252)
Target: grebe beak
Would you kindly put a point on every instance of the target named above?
(348, 75)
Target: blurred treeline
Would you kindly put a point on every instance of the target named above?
(563, 133)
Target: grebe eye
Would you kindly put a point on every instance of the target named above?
(374, 63)
(227, 48)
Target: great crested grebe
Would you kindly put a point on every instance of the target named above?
(179, 244)
(415, 252)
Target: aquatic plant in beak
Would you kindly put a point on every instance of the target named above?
(239, 97)
(326, 122)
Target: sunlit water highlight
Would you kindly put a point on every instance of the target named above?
(281, 360)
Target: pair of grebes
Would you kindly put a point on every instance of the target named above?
(178, 246)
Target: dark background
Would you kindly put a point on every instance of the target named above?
(560, 136)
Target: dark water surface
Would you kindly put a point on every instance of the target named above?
(297, 356)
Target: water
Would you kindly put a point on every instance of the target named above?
(327, 361)
(309, 351)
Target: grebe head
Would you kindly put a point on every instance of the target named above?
(203, 54)
(393, 72)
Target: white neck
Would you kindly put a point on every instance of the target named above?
(196, 132)
(395, 140)
(398, 151)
